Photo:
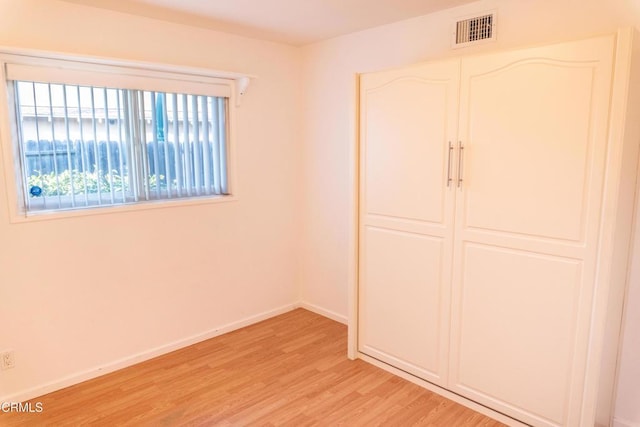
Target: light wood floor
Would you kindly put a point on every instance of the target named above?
(289, 370)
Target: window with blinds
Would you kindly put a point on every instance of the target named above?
(91, 139)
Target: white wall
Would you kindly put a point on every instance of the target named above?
(87, 292)
(329, 70)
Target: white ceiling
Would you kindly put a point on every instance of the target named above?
(296, 22)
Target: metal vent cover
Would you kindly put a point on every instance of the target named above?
(474, 30)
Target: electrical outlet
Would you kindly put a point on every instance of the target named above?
(7, 360)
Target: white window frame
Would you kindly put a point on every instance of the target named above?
(62, 68)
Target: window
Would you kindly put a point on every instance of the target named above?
(84, 146)
(92, 135)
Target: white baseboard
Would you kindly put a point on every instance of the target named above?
(618, 422)
(324, 312)
(141, 357)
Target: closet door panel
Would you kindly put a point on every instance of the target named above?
(405, 169)
(404, 331)
(526, 170)
(408, 121)
(517, 321)
(533, 124)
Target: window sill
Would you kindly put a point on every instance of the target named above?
(114, 209)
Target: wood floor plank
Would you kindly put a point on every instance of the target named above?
(290, 370)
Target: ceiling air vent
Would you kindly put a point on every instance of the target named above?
(475, 30)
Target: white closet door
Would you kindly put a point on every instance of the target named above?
(533, 124)
(408, 120)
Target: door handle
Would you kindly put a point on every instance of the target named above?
(460, 162)
(449, 179)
